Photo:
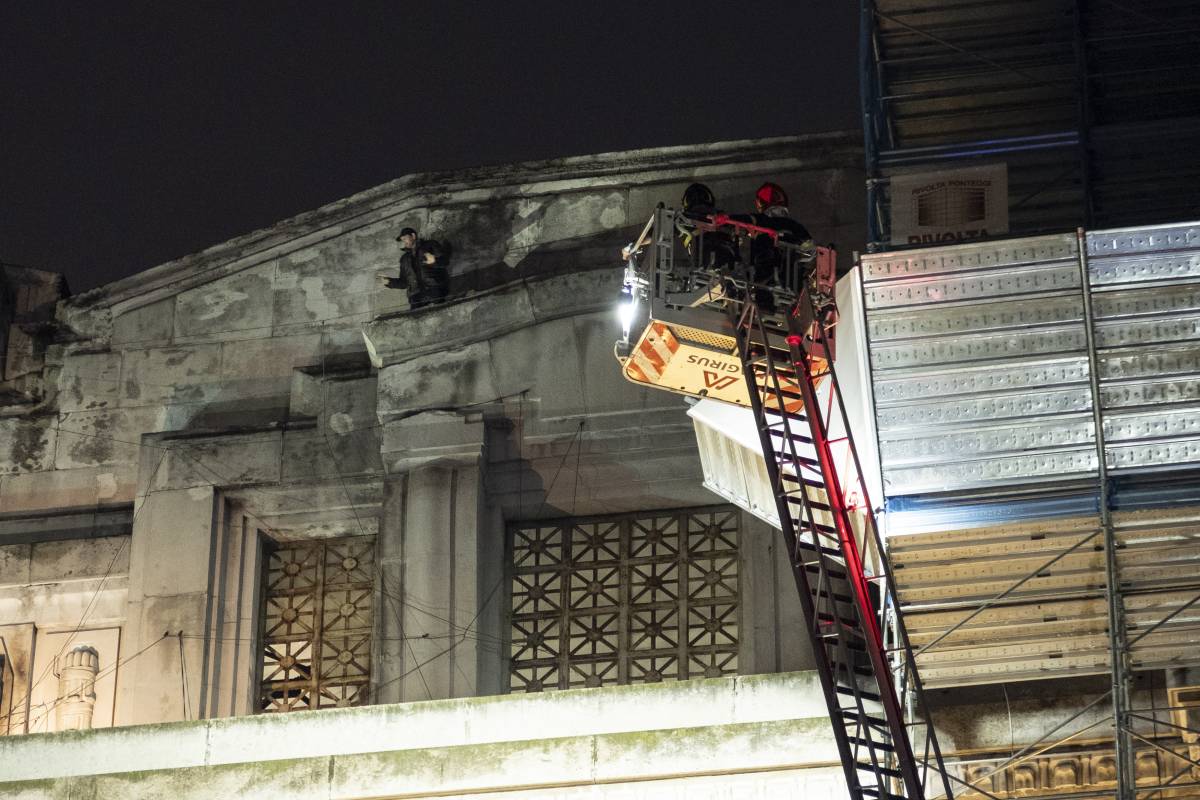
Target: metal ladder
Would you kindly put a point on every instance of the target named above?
(853, 619)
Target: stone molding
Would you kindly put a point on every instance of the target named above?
(418, 191)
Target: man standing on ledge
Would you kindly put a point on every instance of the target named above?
(423, 272)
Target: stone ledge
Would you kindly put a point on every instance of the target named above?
(522, 765)
(465, 722)
(397, 338)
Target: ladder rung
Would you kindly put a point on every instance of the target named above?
(836, 597)
(765, 365)
(783, 452)
(862, 672)
(805, 481)
(872, 791)
(802, 499)
(833, 573)
(829, 551)
(863, 693)
(781, 427)
(846, 621)
(884, 746)
(814, 526)
(863, 717)
(795, 437)
(843, 639)
(891, 773)
(780, 392)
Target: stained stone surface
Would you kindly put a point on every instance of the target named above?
(270, 388)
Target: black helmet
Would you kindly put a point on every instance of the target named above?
(696, 196)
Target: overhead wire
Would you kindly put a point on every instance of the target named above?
(575, 442)
(125, 542)
(412, 652)
(466, 631)
(337, 468)
(299, 329)
(187, 705)
(228, 481)
(50, 705)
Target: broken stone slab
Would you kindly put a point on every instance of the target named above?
(488, 315)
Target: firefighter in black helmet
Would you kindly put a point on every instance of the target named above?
(709, 249)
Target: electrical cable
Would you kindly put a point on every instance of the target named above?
(1012, 744)
(226, 481)
(187, 715)
(578, 453)
(484, 640)
(91, 602)
(353, 507)
(101, 674)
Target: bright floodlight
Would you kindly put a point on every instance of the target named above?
(626, 307)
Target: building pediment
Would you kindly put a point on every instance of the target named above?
(497, 218)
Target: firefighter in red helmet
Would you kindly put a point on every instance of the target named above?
(771, 211)
(770, 195)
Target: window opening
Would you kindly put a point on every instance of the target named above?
(636, 598)
(317, 624)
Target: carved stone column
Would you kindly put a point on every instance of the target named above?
(77, 688)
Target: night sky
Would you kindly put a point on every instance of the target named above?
(134, 134)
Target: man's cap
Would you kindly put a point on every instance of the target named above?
(406, 232)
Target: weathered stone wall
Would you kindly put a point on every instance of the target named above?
(55, 595)
(27, 300)
(269, 387)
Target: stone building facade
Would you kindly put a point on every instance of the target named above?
(253, 481)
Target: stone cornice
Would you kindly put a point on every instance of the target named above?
(402, 337)
(395, 198)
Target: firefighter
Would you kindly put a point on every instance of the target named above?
(712, 249)
(771, 211)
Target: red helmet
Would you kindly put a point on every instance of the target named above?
(770, 194)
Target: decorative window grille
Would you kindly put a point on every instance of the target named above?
(629, 599)
(317, 623)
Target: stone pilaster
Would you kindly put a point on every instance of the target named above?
(430, 582)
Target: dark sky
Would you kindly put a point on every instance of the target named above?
(134, 133)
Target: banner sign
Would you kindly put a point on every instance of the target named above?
(949, 206)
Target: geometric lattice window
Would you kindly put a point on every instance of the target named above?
(317, 620)
(634, 598)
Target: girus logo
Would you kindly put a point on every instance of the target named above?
(720, 366)
(713, 380)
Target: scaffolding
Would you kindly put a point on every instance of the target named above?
(1088, 103)
(1103, 539)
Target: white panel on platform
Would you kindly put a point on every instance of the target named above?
(729, 446)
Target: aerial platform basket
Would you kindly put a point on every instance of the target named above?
(681, 303)
(708, 330)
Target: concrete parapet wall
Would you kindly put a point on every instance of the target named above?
(575, 738)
